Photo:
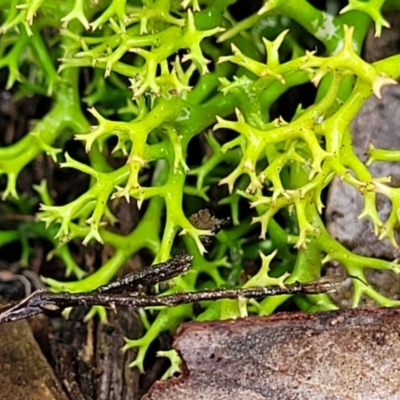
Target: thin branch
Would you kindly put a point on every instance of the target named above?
(150, 275)
(42, 300)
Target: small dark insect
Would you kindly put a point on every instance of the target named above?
(204, 219)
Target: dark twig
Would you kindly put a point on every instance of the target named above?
(150, 275)
(43, 300)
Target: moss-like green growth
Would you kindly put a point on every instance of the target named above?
(160, 73)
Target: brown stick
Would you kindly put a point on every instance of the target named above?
(42, 300)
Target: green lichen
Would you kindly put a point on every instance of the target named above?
(163, 73)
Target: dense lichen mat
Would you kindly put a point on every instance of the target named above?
(166, 105)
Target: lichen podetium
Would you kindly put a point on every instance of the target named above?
(163, 74)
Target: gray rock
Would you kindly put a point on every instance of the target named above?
(378, 122)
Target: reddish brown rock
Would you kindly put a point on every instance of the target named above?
(348, 354)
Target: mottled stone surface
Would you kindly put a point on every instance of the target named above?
(378, 122)
(348, 354)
